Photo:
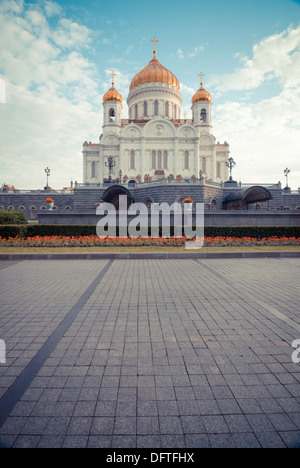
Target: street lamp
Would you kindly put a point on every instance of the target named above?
(231, 165)
(47, 171)
(286, 173)
(110, 163)
(120, 176)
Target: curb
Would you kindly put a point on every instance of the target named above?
(150, 256)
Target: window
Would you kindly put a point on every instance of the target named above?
(155, 107)
(218, 170)
(153, 160)
(186, 160)
(32, 212)
(165, 160)
(145, 109)
(167, 109)
(93, 170)
(204, 165)
(203, 116)
(175, 112)
(159, 160)
(132, 160)
(136, 111)
(112, 116)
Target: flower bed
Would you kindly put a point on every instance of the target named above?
(93, 241)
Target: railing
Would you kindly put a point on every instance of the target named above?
(37, 192)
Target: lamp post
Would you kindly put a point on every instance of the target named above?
(47, 171)
(110, 163)
(231, 165)
(120, 176)
(286, 173)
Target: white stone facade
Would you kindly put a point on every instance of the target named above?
(155, 142)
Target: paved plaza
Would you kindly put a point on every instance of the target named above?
(150, 353)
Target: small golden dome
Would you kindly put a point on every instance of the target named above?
(201, 94)
(154, 72)
(112, 95)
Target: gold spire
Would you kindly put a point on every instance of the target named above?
(201, 75)
(113, 74)
(154, 40)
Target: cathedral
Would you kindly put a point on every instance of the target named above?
(154, 142)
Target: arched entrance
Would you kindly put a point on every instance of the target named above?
(242, 199)
(112, 194)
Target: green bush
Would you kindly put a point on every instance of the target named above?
(12, 217)
(259, 232)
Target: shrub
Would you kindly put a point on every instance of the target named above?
(259, 232)
(12, 217)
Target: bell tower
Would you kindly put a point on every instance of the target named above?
(201, 107)
(112, 108)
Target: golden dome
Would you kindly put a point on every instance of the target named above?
(201, 94)
(112, 95)
(154, 72)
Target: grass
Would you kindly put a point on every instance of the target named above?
(144, 249)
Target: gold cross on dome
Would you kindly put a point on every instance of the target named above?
(202, 75)
(113, 74)
(154, 40)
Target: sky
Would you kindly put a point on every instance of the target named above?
(55, 65)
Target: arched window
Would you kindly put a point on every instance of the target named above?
(132, 160)
(136, 111)
(112, 116)
(155, 107)
(175, 112)
(204, 165)
(32, 212)
(153, 160)
(203, 116)
(159, 160)
(93, 170)
(167, 109)
(165, 160)
(218, 170)
(186, 160)
(145, 109)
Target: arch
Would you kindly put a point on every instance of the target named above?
(214, 204)
(68, 208)
(111, 195)
(132, 183)
(243, 198)
(203, 116)
(32, 212)
(219, 170)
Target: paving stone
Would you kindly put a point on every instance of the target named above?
(170, 356)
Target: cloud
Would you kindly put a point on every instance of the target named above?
(196, 51)
(52, 95)
(180, 54)
(264, 135)
(275, 56)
